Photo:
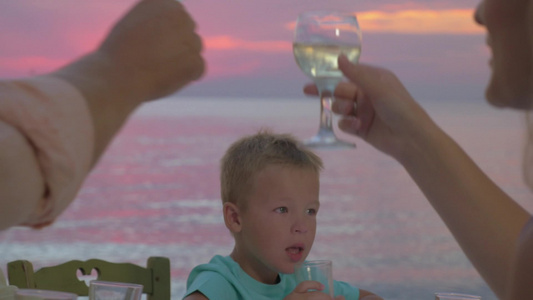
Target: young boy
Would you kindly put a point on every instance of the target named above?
(270, 191)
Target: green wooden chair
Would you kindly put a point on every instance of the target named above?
(155, 277)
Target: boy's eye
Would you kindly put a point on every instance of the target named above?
(311, 211)
(281, 210)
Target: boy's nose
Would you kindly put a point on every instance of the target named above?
(300, 230)
(299, 227)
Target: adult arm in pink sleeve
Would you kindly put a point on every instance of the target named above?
(21, 183)
(151, 52)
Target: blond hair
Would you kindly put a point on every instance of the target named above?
(251, 154)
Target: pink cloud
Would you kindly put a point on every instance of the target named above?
(29, 65)
(230, 56)
(223, 68)
(41, 35)
(416, 21)
(226, 42)
(449, 21)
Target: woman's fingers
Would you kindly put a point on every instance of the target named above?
(344, 90)
(369, 78)
(310, 89)
(347, 105)
(344, 107)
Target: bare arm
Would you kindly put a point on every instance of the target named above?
(484, 220)
(519, 284)
(151, 52)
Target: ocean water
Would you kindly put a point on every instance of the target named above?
(156, 193)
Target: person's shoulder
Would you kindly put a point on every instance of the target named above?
(219, 259)
(213, 280)
(218, 267)
(347, 290)
(219, 262)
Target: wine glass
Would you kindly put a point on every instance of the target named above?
(319, 38)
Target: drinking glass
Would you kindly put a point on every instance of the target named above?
(455, 296)
(7, 292)
(316, 270)
(319, 38)
(106, 290)
(35, 294)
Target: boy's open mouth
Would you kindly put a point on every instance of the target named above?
(294, 250)
(295, 253)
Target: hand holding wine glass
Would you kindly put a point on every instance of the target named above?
(319, 39)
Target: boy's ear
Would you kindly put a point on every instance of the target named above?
(232, 217)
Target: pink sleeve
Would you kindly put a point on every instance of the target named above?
(55, 119)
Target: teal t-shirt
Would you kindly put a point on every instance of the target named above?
(223, 279)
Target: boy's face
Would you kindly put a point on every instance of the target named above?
(279, 222)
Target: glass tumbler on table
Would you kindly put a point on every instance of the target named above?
(106, 290)
(36, 294)
(319, 38)
(316, 270)
(455, 296)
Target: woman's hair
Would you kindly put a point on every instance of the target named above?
(251, 154)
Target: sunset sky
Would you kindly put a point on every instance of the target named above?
(434, 46)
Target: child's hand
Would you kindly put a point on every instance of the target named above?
(301, 292)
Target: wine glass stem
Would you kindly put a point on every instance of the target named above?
(326, 116)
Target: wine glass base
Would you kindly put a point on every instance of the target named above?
(328, 142)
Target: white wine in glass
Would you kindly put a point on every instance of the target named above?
(319, 38)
